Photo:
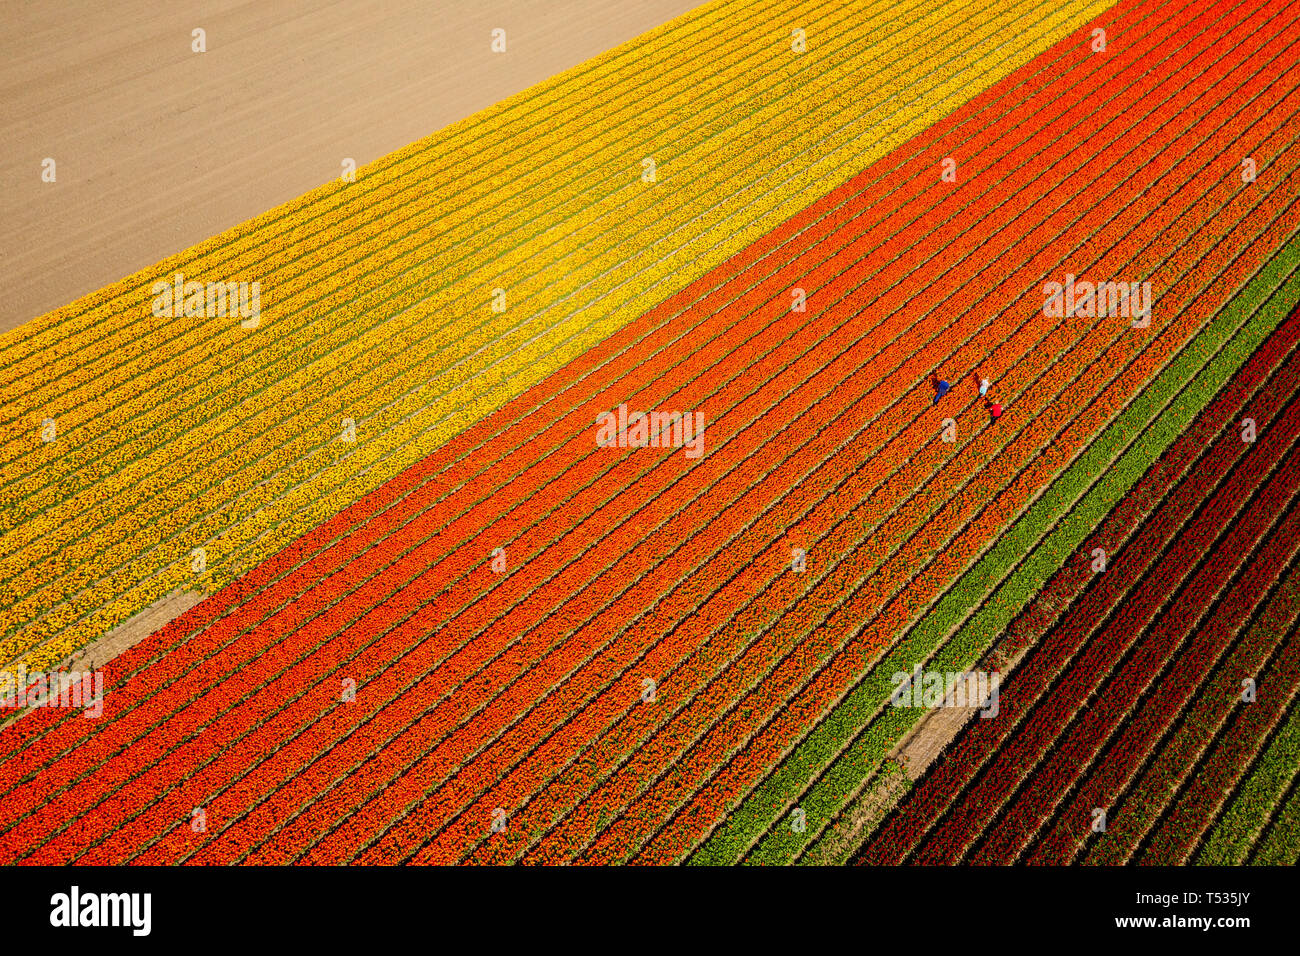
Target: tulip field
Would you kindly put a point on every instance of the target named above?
(192, 431)
(463, 629)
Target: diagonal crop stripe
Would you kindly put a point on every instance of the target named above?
(395, 311)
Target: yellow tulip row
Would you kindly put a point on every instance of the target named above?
(447, 170)
(246, 490)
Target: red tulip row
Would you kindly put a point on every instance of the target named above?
(1168, 697)
(1038, 736)
(1218, 775)
(1130, 542)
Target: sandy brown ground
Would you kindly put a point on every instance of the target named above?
(913, 756)
(157, 147)
(131, 632)
(122, 638)
(936, 729)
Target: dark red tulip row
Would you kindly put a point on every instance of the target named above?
(1101, 647)
(1155, 682)
(1217, 776)
(1131, 546)
(1186, 677)
(1174, 765)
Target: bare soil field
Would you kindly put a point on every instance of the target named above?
(156, 147)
